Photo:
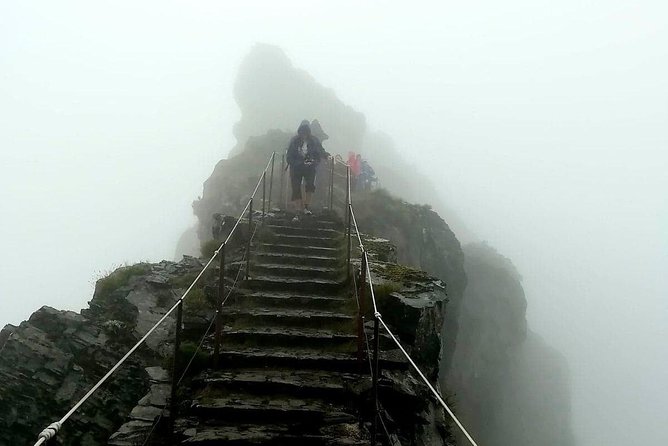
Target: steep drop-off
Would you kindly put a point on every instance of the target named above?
(511, 387)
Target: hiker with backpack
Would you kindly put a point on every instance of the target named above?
(303, 156)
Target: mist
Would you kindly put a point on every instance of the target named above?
(544, 126)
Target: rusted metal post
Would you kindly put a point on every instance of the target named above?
(264, 193)
(175, 365)
(348, 218)
(361, 311)
(219, 307)
(248, 243)
(376, 374)
(271, 181)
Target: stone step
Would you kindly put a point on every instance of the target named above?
(287, 317)
(307, 222)
(237, 407)
(244, 298)
(303, 358)
(331, 386)
(290, 337)
(272, 435)
(299, 259)
(297, 271)
(274, 283)
(305, 240)
(304, 231)
(307, 250)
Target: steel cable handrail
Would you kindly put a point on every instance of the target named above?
(201, 342)
(50, 431)
(213, 319)
(378, 316)
(357, 230)
(426, 381)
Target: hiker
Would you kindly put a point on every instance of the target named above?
(367, 178)
(217, 226)
(304, 154)
(318, 132)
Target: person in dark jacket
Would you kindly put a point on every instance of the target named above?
(304, 153)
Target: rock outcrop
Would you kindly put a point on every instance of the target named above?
(51, 360)
(415, 305)
(232, 181)
(273, 94)
(424, 241)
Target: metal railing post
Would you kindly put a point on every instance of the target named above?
(361, 310)
(284, 183)
(51, 430)
(175, 369)
(219, 307)
(264, 193)
(271, 181)
(331, 186)
(348, 218)
(347, 187)
(376, 373)
(248, 244)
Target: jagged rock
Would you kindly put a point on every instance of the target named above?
(145, 416)
(423, 241)
(265, 88)
(5, 334)
(157, 374)
(49, 361)
(46, 365)
(131, 433)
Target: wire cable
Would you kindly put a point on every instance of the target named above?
(426, 381)
(378, 316)
(382, 423)
(357, 230)
(199, 346)
(53, 428)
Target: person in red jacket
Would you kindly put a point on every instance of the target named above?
(355, 163)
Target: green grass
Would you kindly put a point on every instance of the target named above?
(196, 301)
(383, 290)
(119, 278)
(403, 274)
(187, 279)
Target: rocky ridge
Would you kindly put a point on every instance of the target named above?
(61, 354)
(490, 360)
(51, 360)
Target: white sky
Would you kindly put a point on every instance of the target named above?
(545, 124)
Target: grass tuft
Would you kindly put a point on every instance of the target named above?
(119, 278)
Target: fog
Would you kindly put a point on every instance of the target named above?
(544, 124)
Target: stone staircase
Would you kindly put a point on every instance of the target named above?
(288, 370)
